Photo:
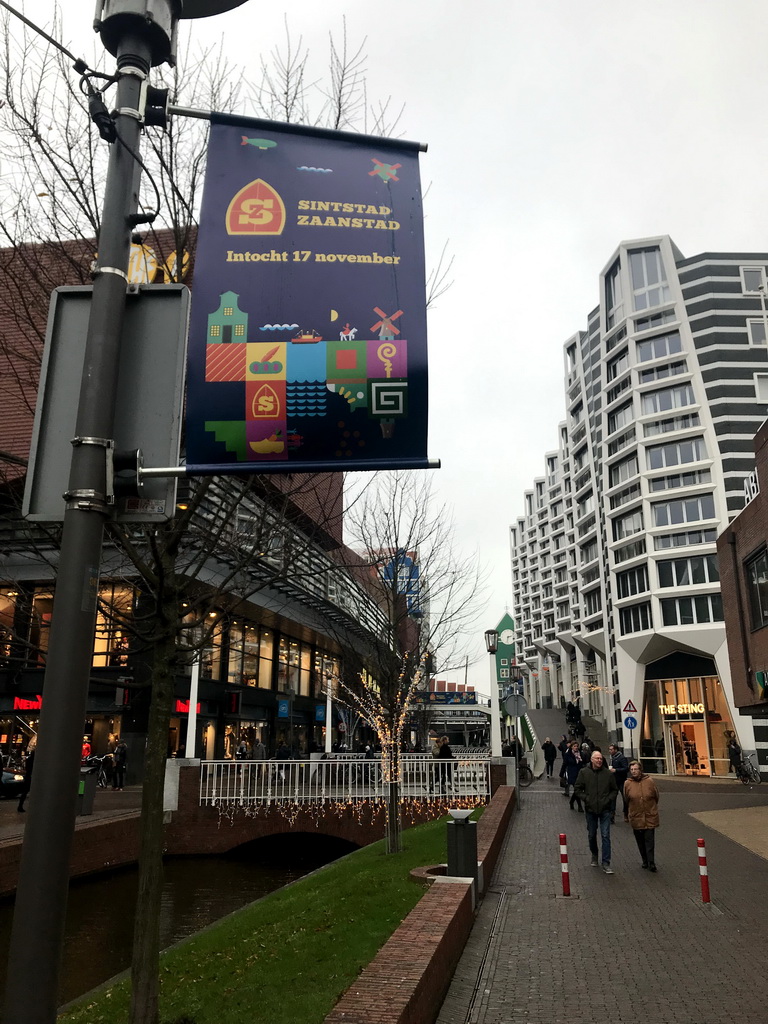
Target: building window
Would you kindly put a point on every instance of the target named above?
(613, 393)
(686, 510)
(627, 526)
(612, 341)
(621, 471)
(635, 618)
(761, 387)
(688, 572)
(657, 348)
(622, 441)
(649, 282)
(679, 453)
(756, 332)
(687, 538)
(613, 299)
(633, 550)
(756, 570)
(632, 581)
(625, 494)
(647, 323)
(588, 552)
(666, 399)
(114, 617)
(691, 419)
(620, 418)
(668, 483)
(685, 611)
(592, 602)
(251, 652)
(618, 365)
(663, 372)
(293, 667)
(752, 279)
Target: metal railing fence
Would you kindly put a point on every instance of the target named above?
(353, 780)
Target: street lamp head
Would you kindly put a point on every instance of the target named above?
(207, 8)
(491, 640)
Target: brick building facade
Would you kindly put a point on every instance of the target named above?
(743, 556)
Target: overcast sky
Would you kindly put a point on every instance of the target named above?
(555, 130)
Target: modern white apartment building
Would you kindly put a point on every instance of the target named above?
(614, 564)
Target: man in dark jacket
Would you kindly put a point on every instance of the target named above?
(620, 765)
(596, 786)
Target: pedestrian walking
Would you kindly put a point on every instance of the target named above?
(596, 786)
(573, 765)
(259, 751)
(643, 805)
(120, 759)
(619, 765)
(550, 755)
(29, 764)
(445, 755)
(563, 746)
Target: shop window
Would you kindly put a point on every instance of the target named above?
(114, 616)
(266, 659)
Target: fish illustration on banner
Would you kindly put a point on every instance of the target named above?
(308, 345)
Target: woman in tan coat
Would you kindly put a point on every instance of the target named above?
(642, 800)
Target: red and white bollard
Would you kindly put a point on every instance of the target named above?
(564, 865)
(703, 871)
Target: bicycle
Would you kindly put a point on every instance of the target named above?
(746, 771)
(524, 774)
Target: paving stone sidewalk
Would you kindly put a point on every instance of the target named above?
(630, 947)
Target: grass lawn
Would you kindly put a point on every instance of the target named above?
(287, 958)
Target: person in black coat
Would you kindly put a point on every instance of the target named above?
(550, 755)
(573, 765)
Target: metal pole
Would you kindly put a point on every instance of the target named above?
(189, 749)
(495, 720)
(328, 716)
(38, 924)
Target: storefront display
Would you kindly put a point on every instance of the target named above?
(686, 727)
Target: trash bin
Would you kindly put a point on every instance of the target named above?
(86, 792)
(462, 845)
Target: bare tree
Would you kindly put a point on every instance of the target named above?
(429, 592)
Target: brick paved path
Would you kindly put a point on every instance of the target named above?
(635, 946)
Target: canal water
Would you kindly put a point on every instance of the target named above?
(197, 892)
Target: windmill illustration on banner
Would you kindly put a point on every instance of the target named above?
(385, 326)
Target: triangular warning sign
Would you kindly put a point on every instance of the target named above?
(629, 708)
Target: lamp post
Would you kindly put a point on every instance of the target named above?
(492, 645)
(328, 714)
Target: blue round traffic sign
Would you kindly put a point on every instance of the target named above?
(630, 722)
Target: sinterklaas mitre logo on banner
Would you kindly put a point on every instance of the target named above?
(257, 209)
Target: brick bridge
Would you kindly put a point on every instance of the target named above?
(195, 825)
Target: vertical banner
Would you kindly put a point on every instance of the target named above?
(308, 346)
